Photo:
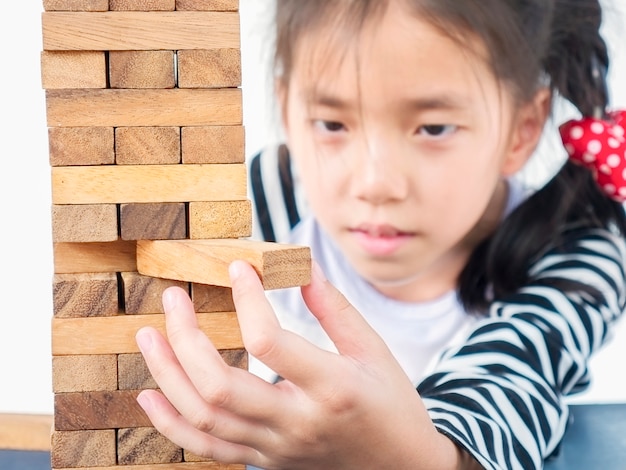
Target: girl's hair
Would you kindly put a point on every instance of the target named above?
(530, 43)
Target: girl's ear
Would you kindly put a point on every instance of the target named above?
(527, 130)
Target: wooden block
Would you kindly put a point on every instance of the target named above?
(212, 68)
(141, 69)
(235, 357)
(70, 146)
(142, 5)
(155, 221)
(106, 257)
(84, 373)
(73, 69)
(83, 448)
(84, 223)
(198, 5)
(108, 409)
(147, 145)
(142, 294)
(119, 108)
(220, 219)
(213, 144)
(85, 295)
(140, 31)
(210, 465)
(148, 183)
(207, 261)
(76, 5)
(116, 335)
(145, 446)
(25, 431)
(133, 373)
(212, 298)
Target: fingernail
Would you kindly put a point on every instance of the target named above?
(317, 271)
(234, 270)
(144, 341)
(169, 299)
(144, 401)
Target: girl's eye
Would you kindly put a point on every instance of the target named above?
(437, 130)
(328, 126)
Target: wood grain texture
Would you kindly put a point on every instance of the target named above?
(84, 373)
(105, 257)
(213, 68)
(25, 431)
(84, 223)
(155, 221)
(207, 298)
(213, 144)
(220, 219)
(210, 465)
(142, 294)
(118, 108)
(73, 69)
(83, 448)
(116, 335)
(138, 183)
(133, 373)
(76, 5)
(138, 31)
(72, 146)
(145, 446)
(198, 5)
(85, 295)
(142, 5)
(142, 69)
(207, 261)
(147, 145)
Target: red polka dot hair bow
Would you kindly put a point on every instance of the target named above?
(600, 145)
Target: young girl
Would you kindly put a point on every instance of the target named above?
(406, 123)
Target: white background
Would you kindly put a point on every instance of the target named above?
(25, 239)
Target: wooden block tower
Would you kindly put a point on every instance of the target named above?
(149, 190)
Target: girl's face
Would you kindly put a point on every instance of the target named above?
(402, 139)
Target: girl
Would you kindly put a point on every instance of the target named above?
(407, 122)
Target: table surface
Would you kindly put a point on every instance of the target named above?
(595, 440)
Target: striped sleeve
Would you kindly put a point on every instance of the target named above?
(500, 394)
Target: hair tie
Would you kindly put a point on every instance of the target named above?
(600, 146)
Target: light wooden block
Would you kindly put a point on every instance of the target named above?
(84, 223)
(76, 5)
(212, 68)
(116, 335)
(84, 373)
(133, 373)
(105, 257)
(145, 446)
(142, 69)
(220, 219)
(155, 221)
(85, 295)
(119, 108)
(140, 31)
(73, 69)
(25, 431)
(212, 298)
(210, 465)
(147, 145)
(207, 261)
(73, 146)
(148, 183)
(217, 5)
(142, 5)
(213, 144)
(142, 294)
(83, 448)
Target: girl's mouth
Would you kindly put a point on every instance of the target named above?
(380, 240)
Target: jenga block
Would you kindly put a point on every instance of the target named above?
(201, 68)
(83, 448)
(142, 5)
(138, 31)
(147, 145)
(76, 5)
(210, 465)
(81, 146)
(108, 409)
(139, 183)
(25, 431)
(106, 257)
(212, 298)
(235, 357)
(207, 261)
(108, 335)
(142, 69)
(142, 294)
(213, 144)
(166, 221)
(220, 219)
(85, 295)
(84, 223)
(73, 69)
(133, 373)
(84, 373)
(207, 5)
(145, 446)
(119, 108)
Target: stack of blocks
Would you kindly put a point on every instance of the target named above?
(149, 190)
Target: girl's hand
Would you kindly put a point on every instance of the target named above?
(355, 409)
